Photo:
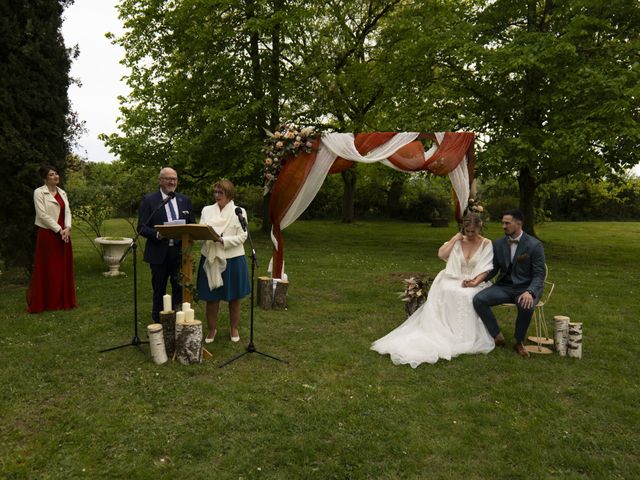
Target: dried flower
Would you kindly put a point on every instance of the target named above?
(415, 287)
(286, 143)
(474, 206)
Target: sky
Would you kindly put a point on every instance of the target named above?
(99, 71)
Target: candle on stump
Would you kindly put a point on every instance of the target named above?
(166, 303)
(179, 317)
(186, 306)
(189, 315)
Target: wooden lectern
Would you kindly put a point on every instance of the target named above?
(187, 233)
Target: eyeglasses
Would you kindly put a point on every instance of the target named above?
(169, 179)
(218, 192)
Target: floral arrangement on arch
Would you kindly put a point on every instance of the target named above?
(286, 142)
(474, 206)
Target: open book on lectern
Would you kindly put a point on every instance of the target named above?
(194, 230)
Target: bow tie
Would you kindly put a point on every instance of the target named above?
(511, 241)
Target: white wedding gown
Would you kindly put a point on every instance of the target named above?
(446, 325)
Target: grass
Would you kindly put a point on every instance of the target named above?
(337, 410)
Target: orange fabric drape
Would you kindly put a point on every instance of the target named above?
(289, 182)
(410, 158)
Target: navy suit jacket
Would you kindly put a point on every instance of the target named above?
(155, 250)
(527, 271)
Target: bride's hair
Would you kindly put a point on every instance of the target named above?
(472, 219)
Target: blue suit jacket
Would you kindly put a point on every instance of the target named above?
(527, 271)
(155, 250)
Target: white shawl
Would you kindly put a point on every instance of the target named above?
(215, 262)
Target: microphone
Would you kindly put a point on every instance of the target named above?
(243, 221)
(170, 196)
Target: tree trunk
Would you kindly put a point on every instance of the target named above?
(393, 197)
(527, 188)
(257, 87)
(348, 199)
(266, 219)
(274, 87)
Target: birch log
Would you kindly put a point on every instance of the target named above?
(574, 345)
(156, 343)
(189, 342)
(168, 321)
(561, 334)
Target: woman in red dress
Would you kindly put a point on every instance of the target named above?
(52, 285)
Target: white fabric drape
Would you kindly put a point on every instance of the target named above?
(332, 146)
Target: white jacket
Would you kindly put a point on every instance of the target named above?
(48, 209)
(234, 236)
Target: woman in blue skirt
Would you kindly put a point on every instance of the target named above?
(223, 272)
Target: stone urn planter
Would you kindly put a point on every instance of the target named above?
(439, 222)
(112, 250)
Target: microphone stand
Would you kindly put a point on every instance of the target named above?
(135, 341)
(251, 347)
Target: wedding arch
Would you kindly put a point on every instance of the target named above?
(300, 176)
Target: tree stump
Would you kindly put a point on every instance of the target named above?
(561, 334)
(272, 293)
(156, 343)
(265, 293)
(168, 321)
(280, 295)
(189, 342)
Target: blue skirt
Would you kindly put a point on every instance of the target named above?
(235, 278)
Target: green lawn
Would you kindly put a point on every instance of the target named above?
(337, 410)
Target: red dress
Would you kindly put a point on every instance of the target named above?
(52, 285)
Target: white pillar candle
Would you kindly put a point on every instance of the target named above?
(189, 315)
(186, 306)
(166, 303)
(180, 317)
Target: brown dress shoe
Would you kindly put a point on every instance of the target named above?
(500, 341)
(520, 350)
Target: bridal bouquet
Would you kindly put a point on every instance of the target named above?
(414, 287)
(415, 293)
(286, 142)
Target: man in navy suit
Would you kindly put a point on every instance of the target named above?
(518, 259)
(162, 254)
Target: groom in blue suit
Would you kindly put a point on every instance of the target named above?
(518, 260)
(163, 254)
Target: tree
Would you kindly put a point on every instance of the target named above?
(204, 86)
(35, 122)
(552, 86)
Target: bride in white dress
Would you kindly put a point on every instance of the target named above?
(447, 325)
